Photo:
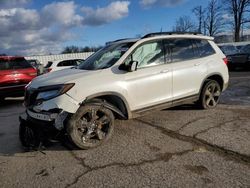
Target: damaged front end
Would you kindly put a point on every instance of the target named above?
(44, 120)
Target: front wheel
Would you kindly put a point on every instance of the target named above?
(90, 126)
(210, 95)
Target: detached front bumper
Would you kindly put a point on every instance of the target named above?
(33, 132)
(26, 120)
(46, 119)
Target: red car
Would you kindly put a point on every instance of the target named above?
(15, 74)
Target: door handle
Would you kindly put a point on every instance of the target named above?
(164, 71)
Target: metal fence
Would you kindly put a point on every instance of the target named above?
(45, 58)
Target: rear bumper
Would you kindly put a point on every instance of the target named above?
(12, 91)
(238, 64)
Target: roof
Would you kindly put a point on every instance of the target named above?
(170, 33)
(193, 35)
(11, 57)
(122, 41)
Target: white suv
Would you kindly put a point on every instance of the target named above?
(62, 64)
(124, 79)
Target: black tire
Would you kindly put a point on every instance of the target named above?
(90, 126)
(2, 99)
(28, 137)
(210, 95)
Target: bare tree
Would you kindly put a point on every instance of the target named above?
(214, 23)
(199, 13)
(239, 9)
(184, 24)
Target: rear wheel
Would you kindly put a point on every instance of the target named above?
(90, 126)
(210, 95)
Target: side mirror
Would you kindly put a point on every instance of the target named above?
(131, 67)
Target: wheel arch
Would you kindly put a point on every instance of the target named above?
(116, 102)
(214, 76)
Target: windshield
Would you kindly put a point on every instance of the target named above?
(245, 49)
(106, 57)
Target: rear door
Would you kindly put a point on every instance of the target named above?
(189, 69)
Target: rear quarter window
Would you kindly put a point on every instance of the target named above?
(203, 48)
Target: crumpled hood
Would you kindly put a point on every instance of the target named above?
(60, 77)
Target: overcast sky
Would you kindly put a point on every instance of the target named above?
(35, 27)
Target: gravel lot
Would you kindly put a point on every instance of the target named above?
(179, 147)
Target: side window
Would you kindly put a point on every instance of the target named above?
(73, 62)
(180, 49)
(149, 54)
(66, 63)
(204, 48)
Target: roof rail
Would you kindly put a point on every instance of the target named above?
(169, 33)
(111, 42)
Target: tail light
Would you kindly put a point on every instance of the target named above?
(225, 60)
(33, 74)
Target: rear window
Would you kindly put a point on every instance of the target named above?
(18, 63)
(72, 62)
(66, 63)
(4, 65)
(245, 49)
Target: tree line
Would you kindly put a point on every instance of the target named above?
(218, 16)
(77, 49)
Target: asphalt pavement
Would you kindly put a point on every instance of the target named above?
(179, 147)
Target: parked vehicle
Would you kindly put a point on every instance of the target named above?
(37, 65)
(123, 80)
(62, 64)
(15, 74)
(239, 58)
(229, 49)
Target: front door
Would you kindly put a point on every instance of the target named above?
(151, 83)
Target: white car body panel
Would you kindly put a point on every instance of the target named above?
(142, 88)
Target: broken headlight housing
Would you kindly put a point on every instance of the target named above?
(50, 92)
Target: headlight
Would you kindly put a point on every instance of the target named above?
(49, 92)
